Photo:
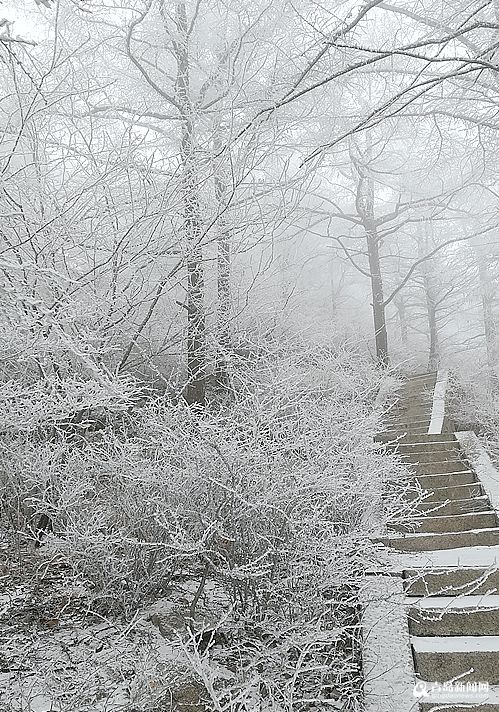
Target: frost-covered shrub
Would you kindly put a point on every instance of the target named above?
(473, 404)
(270, 497)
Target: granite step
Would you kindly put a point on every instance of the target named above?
(470, 658)
(454, 616)
(446, 479)
(430, 456)
(453, 492)
(452, 523)
(448, 540)
(438, 704)
(455, 506)
(422, 439)
(446, 448)
(441, 467)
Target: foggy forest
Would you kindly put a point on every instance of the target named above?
(249, 318)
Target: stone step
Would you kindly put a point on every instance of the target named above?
(456, 506)
(453, 523)
(467, 705)
(444, 582)
(441, 467)
(430, 456)
(438, 702)
(419, 382)
(422, 439)
(421, 423)
(403, 417)
(437, 542)
(444, 494)
(455, 616)
(399, 425)
(412, 402)
(396, 431)
(414, 411)
(475, 658)
(418, 385)
(446, 479)
(425, 375)
(415, 390)
(448, 449)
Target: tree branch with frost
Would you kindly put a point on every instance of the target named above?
(431, 254)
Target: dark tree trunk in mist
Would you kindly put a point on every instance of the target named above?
(430, 296)
(365, 209)
(402, 315)
(195, 391)
(224, 306)
(488, 293)
(434, 356)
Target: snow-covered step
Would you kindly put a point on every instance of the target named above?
(414, 419)
(455, 602)
(387, 660)
(414, 398)
(430, 376)
(394, 431)
(422, 422)
(468, 697)
(476, 557)
(445, 582)
(441, 466)
(413, 412)
(416, 448)
(467, 705)
(447, 540)
(455, 506)
(417, 387)
(455, 616)
(453, 623)
(476, 658)
(456, 644)
(452, 523)
(414, 427)
(454, 492)
(447, 479)
(418, 439)
(428, 455)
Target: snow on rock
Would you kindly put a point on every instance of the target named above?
(387, 659)
(489, 601)
(455, 643)
(482, 464)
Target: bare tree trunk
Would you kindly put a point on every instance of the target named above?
(365, 209)
(402, 315)
(434, 356)
(487, 292)
(195, 391)
(224, 294)
(430, 300)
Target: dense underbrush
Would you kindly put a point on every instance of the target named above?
(245, 526)
(473, 402)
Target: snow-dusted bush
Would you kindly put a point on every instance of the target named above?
(473, 404)
(269, 499)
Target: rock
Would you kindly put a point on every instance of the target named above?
(173, 621)
(189, 696)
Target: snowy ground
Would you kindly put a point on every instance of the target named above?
(57, 654)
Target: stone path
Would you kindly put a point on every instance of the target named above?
(450, 577)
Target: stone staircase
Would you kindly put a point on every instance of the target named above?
(448, 563)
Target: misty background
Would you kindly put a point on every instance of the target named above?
(228, 229)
